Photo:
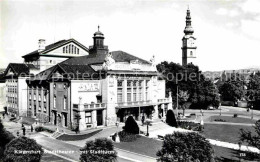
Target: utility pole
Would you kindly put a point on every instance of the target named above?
(177, 100)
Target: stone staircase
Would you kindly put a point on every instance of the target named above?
(56, 134)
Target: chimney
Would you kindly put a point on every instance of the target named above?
(41, 45)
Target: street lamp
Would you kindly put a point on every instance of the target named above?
(148, 122)
(252, 112)
(220, 108)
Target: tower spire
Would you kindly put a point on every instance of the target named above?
(188, 28)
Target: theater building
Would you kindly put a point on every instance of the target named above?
(98, 89)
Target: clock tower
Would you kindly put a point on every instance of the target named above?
(188, 42)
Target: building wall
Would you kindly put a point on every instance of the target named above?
(22, 96)
(12, 96)
(2, 96)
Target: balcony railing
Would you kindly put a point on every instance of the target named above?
(135, 103)
(89, 106)
(164, 100)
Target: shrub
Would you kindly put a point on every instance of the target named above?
(94, 151)
(188, 125)
(131, 126)
(185, 147)
(170, 118)
(220, 120)
(41, 129)
(125, 136)
(22, 143)
(235, 115)
(5, 138)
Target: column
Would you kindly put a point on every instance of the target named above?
(155, 114)
(94, 118)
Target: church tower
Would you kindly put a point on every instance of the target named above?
(188, 42)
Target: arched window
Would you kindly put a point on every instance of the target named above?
(77, 51)
(72, 49)
(63, 49)
(66, 49)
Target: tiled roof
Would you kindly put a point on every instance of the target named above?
(118, 56)
(56, 45)
(20, 68)
(73, 71)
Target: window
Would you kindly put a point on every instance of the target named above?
(88, 117)
(40, 97)
(191, 53)
(140, 90)
(119, 91)
(40, 107)
(72, 49)
(69, 48)
(77, 51)
(65, 103)
(66, 49)
(146, 90)
(135, 91)
(44, 109)
(129, 91)
(63, 49)
(54, 102)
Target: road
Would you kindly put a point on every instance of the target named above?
(71, 152)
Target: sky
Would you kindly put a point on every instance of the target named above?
(227, 31)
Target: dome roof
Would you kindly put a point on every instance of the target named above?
(98, 33)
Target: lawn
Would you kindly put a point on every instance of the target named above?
(142, 145)
(231, 119)
(226, 133)
(77, 137)
(230, 155)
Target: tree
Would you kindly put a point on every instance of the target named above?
(253, 89)
(253, 139)
(101, 149)
(131, 126)
(23, 149)
(5, 137)
(202, 92)
(183, 147)
(232, 89)
(183, 98)
(170, 118)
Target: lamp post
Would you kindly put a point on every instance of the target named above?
(252, 112)
(177, 101)
(148, 122)
(220, 108)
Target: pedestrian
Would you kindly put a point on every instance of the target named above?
(3, 115)
(31, 128)
(23, 131)
(143, 120)
(22, 125)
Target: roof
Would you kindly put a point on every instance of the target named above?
(54, 46)
(20, 68)
(118, 56)
(72, 71)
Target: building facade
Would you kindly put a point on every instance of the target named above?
(98, 89)
(39, 60)
(188, 43)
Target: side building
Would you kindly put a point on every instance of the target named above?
(39, 60)
(98, 89)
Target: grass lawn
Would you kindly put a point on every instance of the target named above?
(77, 137)
(230, 155)
(142, 145)
(232, 120)
(226, 133)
